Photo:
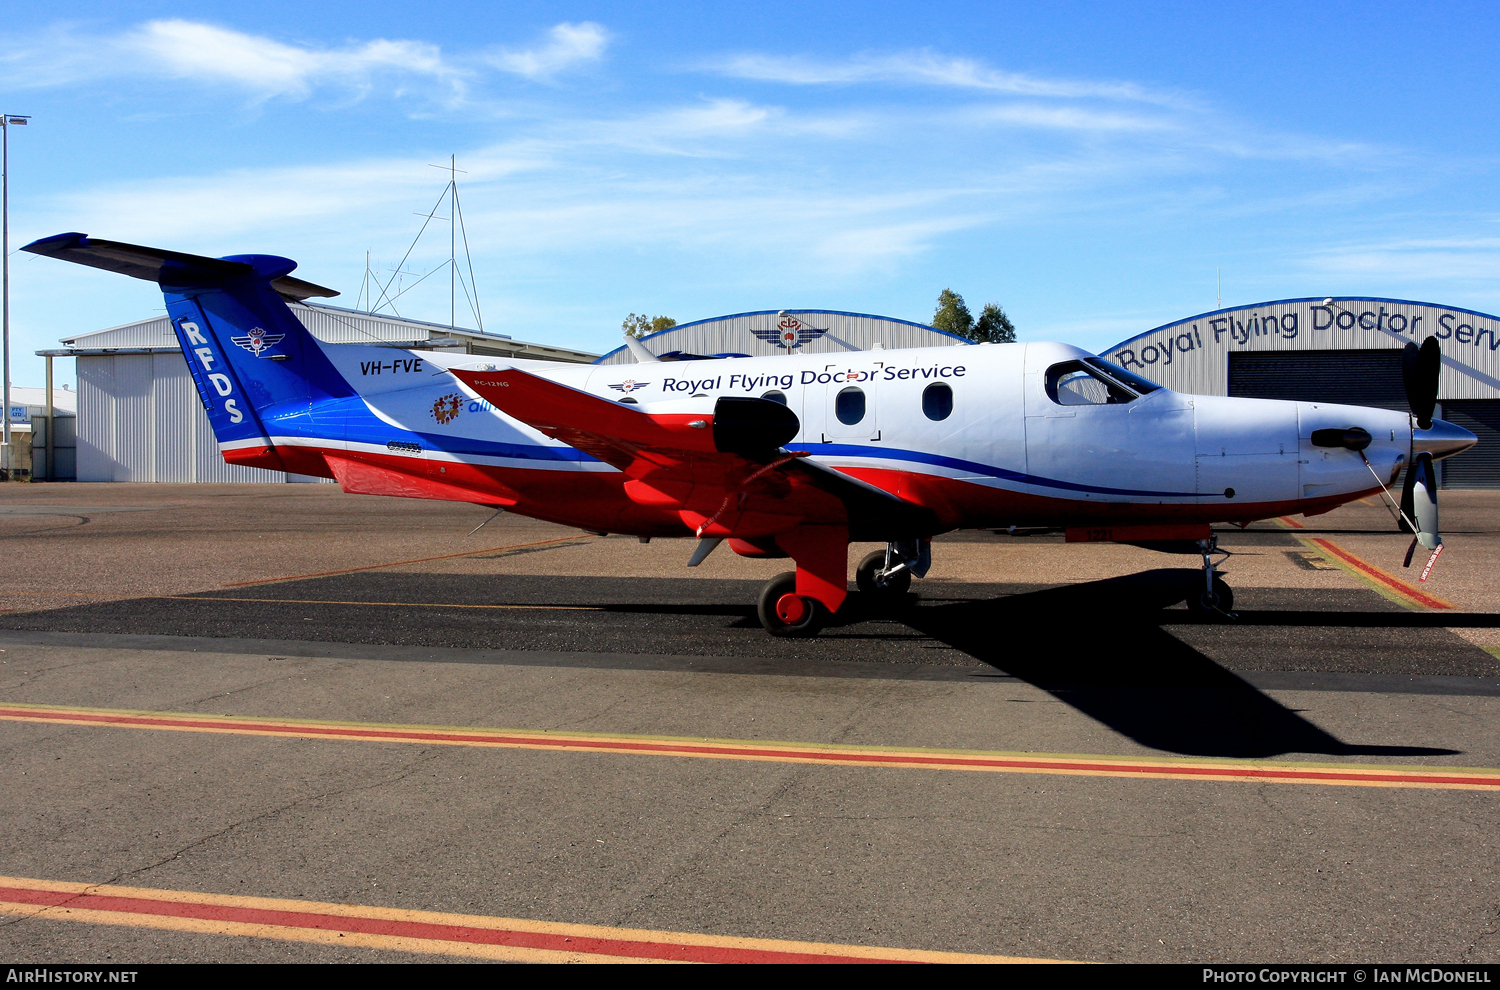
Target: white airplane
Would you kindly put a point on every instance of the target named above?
(785, 456)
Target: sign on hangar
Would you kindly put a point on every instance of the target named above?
(1346, 350)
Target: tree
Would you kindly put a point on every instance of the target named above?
(994, 326)
(952, 315)
(640, 326)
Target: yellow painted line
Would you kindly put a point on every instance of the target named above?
(429, 932)
(1064, 764)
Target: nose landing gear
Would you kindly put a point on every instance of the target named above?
(1214, 596)
(885, 575)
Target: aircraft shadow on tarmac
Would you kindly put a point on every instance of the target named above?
(1100, 648)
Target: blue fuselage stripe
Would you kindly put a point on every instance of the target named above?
(362, 427)
(974, 467)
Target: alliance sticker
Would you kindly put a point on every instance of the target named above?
(446, 409)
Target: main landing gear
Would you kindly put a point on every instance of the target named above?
(783, 612)
(883, 577)
(1213, 597)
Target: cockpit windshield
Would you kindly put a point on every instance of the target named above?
(1139, 385)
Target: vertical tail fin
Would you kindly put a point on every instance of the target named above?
(254, 363)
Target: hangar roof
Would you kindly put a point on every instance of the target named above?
(807, 331)
(335, 325)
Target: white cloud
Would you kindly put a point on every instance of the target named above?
(1426, 260)
(267, 68)
(569, 45)
(1069, 118)
(928, 68)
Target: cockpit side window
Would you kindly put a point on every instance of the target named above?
(1074, 383)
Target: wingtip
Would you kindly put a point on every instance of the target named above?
(49, 245)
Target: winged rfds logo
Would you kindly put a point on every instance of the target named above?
(257, 340)
(629, 385)
(789, 333)
(446, 409)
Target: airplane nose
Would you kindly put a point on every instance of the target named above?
(1443, 440)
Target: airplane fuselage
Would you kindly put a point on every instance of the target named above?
(980, 435)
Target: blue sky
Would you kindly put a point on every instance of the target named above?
(1087, 166)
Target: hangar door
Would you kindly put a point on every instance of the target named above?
(1356, 378)
(1369, 378)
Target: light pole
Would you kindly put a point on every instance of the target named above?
(6, 120)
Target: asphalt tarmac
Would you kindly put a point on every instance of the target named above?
(289, 603)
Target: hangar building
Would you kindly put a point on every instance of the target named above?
(1344, 350)
(798, 331)
(140, 418)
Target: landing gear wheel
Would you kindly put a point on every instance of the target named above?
(893, 588)
(785, 613)
(1201, 602)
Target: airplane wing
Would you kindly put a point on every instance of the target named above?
(727, 473)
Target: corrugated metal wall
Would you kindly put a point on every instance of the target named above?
(140, 419)
(735, 334)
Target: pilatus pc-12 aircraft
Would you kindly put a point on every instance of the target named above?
(785, 456)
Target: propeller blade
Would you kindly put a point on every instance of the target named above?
(1424, 501)
(1407, 495)
(1420, 367)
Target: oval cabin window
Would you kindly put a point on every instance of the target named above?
(775, 396)
(937, 401)
(849, 406)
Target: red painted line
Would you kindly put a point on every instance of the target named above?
(790, 754)
(1289, 521)
(627, 948)
(1376, 574)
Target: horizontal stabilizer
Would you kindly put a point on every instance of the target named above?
(173, 267)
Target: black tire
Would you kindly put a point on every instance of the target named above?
(1220, 603)
(786, 584)
(893, 589)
